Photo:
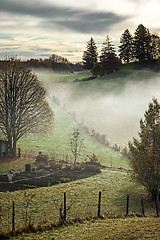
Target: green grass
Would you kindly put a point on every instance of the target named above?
(57, 141)
(83, 194)
(54, 77)
(131, 228)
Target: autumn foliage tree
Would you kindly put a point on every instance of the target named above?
(23, 107)
(145, 153)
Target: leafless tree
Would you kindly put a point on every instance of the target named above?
(23, 107)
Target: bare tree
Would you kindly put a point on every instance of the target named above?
(23, 107)
(76, 144)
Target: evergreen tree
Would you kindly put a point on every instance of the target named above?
(126, 47)
(107, 49)
(142, 43)
(145, 153)
(90, 55)
(155, 43)
(109, 62)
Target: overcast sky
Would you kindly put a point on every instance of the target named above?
(37, 29)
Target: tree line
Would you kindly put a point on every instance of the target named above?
(143, 46)
(54, 62)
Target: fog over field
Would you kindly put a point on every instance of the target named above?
(113, 108)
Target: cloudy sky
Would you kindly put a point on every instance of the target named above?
(37, 29)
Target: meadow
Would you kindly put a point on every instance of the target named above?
(82, 200)
(57, 141)
(132, 228)
(112, 105)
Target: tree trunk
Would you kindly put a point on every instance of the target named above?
(14, 147)
(10, 146)
(154, 193)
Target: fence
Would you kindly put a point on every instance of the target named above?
(55, 156)
(15, 214)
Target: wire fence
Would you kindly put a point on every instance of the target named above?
(54, 156)
(27, 210)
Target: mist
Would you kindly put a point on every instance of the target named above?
(113, 108)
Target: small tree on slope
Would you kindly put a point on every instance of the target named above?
(76, 144)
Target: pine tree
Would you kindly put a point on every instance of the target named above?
(126, 47)
(90, 55)
(107, 49)
(109, 62)
(155, 43)
(145, 153)
(142, 43)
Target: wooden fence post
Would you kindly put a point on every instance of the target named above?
(142, 205)
(19, 152)
(127, 208)
(157, 205)
(99, 204)
(13, 217)
(64, 206)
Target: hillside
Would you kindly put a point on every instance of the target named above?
(90, 104)
(112, 104)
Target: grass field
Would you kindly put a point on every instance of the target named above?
(130, 228)
(83, 194)
(82, 200)
(57, 142)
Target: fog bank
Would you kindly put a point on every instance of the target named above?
(108, 108)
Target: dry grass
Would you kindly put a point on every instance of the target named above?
(128, 228)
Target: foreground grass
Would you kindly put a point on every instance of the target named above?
(128, 228)
(82, 200)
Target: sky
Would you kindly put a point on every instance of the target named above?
(38, 29)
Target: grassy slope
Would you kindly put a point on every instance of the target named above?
(57, 141)
(95, 102)
(114, 186)
(83, 194)
(146, 228)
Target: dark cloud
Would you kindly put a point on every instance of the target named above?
(90, 22)
(62, 17)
